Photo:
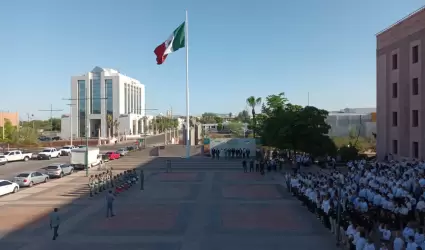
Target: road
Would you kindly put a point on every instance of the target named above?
(10, 170)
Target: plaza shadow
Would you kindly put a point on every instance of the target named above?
(20, 234)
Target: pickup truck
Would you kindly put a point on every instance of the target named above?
(17, 155)
(66, 150)
(48, 153)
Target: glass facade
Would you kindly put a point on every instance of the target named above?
(125, 99)
(95, 101)
(132, 99)
(109, 96)
(82, 107)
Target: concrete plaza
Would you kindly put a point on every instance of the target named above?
(203, 204)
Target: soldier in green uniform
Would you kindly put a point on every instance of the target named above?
(99, 183)
(102, 182)
(95, 184)
(91, 187)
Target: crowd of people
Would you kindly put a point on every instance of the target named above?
(368, 199)
(228, 153)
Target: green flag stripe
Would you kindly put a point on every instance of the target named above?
(179, 38)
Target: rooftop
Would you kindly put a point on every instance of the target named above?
(353, 111)
(402, 20)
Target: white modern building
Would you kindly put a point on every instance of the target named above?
(99, 93)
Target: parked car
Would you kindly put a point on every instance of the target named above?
(7, 187)
(59, 170)
(122, 151)
(44, 138)
(66, 150)
(131, 148)
(81, 146)
(48, 153)
(17, 155)
(3, 160)
(113, 155)
(28, 179)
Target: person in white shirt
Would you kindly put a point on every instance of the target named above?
(361, 241)
(370, 245)
(408, 232)
(419, 236)
(398, 243)
(386, 234)
(325, 208)
(411, 245)
(350, 232)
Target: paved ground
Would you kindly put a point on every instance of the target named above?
(10, 170)
(203, 204)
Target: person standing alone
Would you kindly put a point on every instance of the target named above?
(55, 222)
(110, 198)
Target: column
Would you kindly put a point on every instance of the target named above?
(136, 131)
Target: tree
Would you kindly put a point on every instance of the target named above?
(230, 115)
(236, 128)
(208, 117)
(109, 124)
(274, 102)
(9, 131)
(253, 102)
(219, 127)
(116, 126)
(25, 136)
(218, 119)
(289, 126)
(243, 116)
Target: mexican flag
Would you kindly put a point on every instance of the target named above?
(173, 43)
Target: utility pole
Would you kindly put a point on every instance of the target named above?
(308, 98)
(70, 122)
(2, 123)
(51, 110)
(29, 116)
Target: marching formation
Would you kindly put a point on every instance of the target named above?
(106, 180)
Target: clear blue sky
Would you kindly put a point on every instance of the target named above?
(238, 48)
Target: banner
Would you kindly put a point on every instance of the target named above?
(207, 150)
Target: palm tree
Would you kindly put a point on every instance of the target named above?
(116, 125)
(145, 124)
(253, 102)
(110, 124)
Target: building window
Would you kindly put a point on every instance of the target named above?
(125, 98)
(395, 90)
(395, 119)
(415, 118)
(95, 99)
(82, 108)
(415, 86)
(415, 149)
(109, 97)
(128, 99)
(395, 147)
(394, 61)
(415, 54)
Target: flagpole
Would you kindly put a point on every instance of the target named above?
(186, 38)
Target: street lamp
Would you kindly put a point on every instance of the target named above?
(70, 122)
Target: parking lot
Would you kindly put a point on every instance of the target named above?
(9, 170)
